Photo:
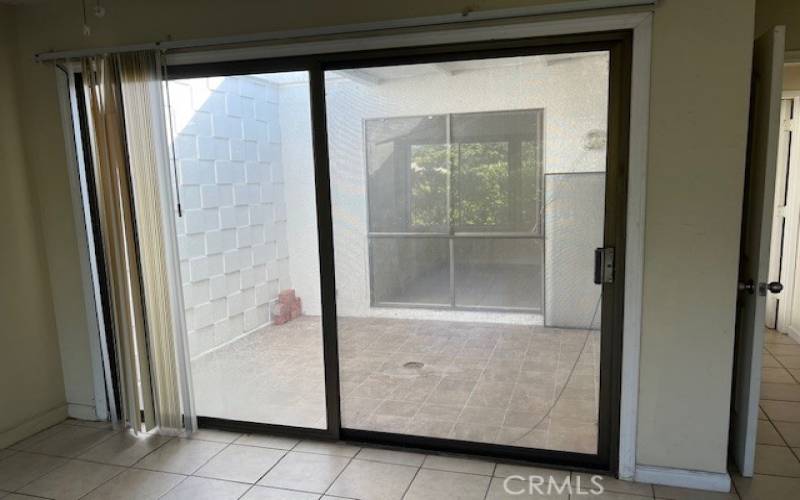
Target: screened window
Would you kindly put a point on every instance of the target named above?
(474, 180)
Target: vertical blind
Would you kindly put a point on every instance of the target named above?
(124, 100)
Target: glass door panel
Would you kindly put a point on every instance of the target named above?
(248, 247)
(467, 201)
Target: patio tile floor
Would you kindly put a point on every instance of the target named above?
(516, 385)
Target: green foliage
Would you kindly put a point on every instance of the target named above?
(481, 182)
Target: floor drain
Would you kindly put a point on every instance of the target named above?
(416, 365)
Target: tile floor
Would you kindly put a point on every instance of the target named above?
(778, 439)
(85, 460)
(77, 460)
(509, 384)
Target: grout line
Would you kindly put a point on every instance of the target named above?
(413, 478)
(338, 475)
(489, 484)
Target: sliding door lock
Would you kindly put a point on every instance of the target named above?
(603, 266)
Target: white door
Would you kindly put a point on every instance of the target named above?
(781, 248)
(756, 234)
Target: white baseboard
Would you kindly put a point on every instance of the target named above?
(81, 411)
(699, 480)
(33, 425)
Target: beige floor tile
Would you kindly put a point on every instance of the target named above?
(767, 434)
(124, 448)
(790, 432)
(776, 376)
(475, 432)
(72, 481)
(425, 427)
(327, 448)
(265, 493)
(21, 468)
(214, 435)
(795, 373)
(672, 493)
(789, 361)
(310, 472)
(526, 471)
(201, 488)
(777, 461)
(265, 441)
(391, 456)
(776, 337)
(365, 479)
(180, 456)
(5, 453)
(402, 409)
(784, 411)
(246, 464)
(778, 350)
(438, 485)
(456, 464)
(39, 436)
(769, 361)
(761, 414)
(134, 484)
(761, 487)
(484, 416)
(780, 392)
(504, 488)
(612, 484)
(69, 441)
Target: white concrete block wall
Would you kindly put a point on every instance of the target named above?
(232, 236)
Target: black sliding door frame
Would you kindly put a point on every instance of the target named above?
(618, 44)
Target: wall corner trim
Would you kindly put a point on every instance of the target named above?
(667, 476)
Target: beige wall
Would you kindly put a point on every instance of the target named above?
(701, 68)
(700, 87)
(31, 386)
(770, 13)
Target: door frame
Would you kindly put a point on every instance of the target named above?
(618, 43)
(783, 258)
(634, 153)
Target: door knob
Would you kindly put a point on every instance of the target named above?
(748, 286)
(775, 287)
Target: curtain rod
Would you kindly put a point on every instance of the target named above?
(351, 29)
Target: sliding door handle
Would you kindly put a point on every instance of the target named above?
(603, 265)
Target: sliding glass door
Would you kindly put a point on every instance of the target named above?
(468, 199)
(248, 247)
(412, 246)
